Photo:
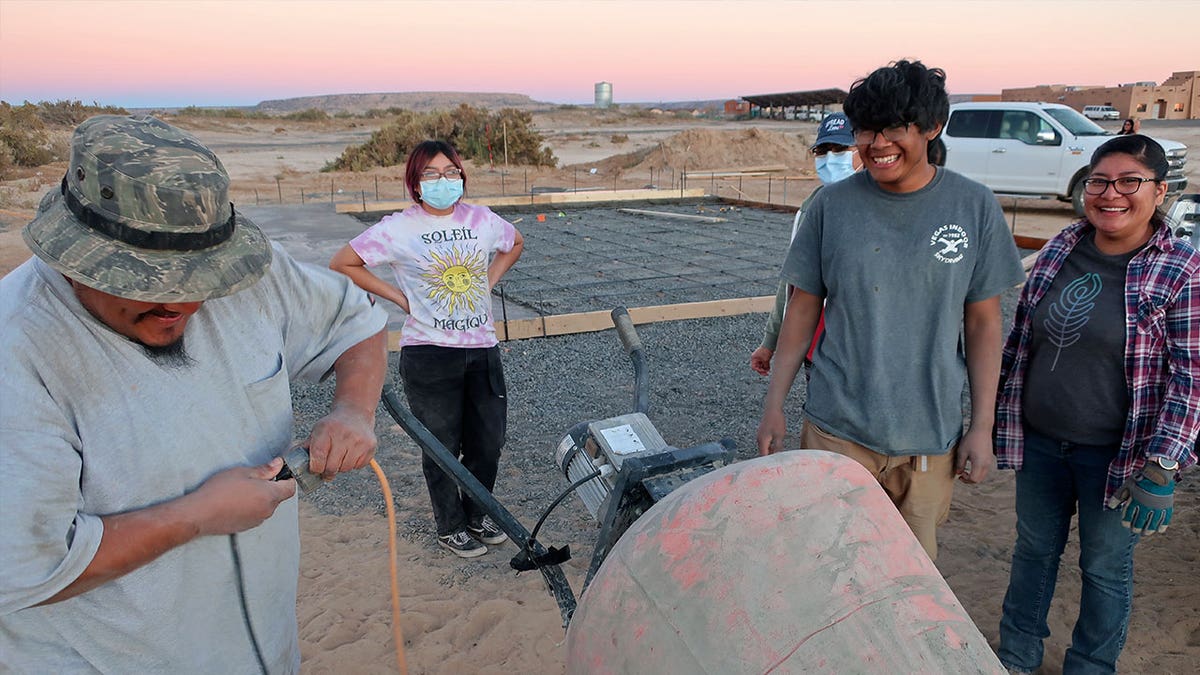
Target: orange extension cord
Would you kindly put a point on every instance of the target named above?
(397, 633)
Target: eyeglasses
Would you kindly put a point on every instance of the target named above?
(1125, 185)
(449, 174)
(892, 134)
(826, 148)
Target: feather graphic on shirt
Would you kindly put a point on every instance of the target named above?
(1070, 314)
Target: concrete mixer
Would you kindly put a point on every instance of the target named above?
(795, 562)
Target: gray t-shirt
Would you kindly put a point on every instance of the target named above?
(89, 426)
(897, 270)
(1075, 386)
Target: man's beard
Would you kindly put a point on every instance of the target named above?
(173, 355)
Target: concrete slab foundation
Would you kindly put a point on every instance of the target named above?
(584, 258)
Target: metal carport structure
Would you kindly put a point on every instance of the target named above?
(796, 99)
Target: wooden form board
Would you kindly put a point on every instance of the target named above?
(547, 198)
(744, 169)
(591, 322)
(768, 206)
(706, 175)
(1035, 243)
(677, 216)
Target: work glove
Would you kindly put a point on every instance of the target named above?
(1149, 498)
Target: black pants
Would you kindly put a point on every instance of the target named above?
(460, 396)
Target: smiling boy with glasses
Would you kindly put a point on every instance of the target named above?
(912, 260)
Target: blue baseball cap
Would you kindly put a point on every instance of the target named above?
(835, 128)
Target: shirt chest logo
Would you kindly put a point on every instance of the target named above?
(949, 243)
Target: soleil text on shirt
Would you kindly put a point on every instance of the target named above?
(457, 234)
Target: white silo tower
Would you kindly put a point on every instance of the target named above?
(603, 94)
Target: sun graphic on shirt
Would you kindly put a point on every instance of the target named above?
(456, 279)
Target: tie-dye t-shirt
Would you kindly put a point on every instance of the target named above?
(441, 263)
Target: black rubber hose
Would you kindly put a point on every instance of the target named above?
(633, 347)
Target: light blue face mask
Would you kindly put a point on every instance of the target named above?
(441, 193)
(835, 166)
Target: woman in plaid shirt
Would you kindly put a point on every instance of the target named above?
(1099, 403)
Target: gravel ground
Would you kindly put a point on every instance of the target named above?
(701, 389)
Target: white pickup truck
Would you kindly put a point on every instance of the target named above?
(1034, 149)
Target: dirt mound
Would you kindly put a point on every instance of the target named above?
(698, 150)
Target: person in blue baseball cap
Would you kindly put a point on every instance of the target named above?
(835, 158)
(833, 152)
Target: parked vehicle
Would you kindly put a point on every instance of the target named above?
(1184, 216)
(1036, 150)
(1101, 112)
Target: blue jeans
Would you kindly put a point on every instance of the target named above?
(1056, 479)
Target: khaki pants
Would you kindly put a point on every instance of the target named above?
(919, 485)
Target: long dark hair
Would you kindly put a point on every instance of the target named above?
(420, 157)
(1145, 151)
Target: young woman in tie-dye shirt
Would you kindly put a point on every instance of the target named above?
(446, 257)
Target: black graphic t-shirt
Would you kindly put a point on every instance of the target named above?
(1075, 387)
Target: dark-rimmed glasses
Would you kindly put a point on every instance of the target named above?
(1125, 185)
(453, 173)
(893, 134)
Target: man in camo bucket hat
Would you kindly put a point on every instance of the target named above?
(144, 214)
(144, 527)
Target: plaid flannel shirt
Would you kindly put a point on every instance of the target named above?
(1162, 354)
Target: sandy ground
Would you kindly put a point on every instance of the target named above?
(480, 616)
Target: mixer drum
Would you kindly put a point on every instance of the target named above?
(795, 562)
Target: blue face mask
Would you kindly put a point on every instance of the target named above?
(441, 193)
(835, 166)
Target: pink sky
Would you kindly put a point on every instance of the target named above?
(191, 52)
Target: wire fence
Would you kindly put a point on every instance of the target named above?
(764, 187)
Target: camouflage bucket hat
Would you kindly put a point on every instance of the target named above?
(144, 214)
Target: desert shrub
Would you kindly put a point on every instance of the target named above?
(6, 161)
(617, 139)
(31, 133)
(470, 130)
(380, 113)
(309, 115)
(221, 113)
(71, 113)
(23, 137)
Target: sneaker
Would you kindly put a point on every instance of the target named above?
(487, 531)
(462, 545)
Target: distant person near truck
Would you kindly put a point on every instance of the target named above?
(912, 259)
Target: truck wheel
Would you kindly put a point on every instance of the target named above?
(1077, 197)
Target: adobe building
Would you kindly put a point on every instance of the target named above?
(1177, 98)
